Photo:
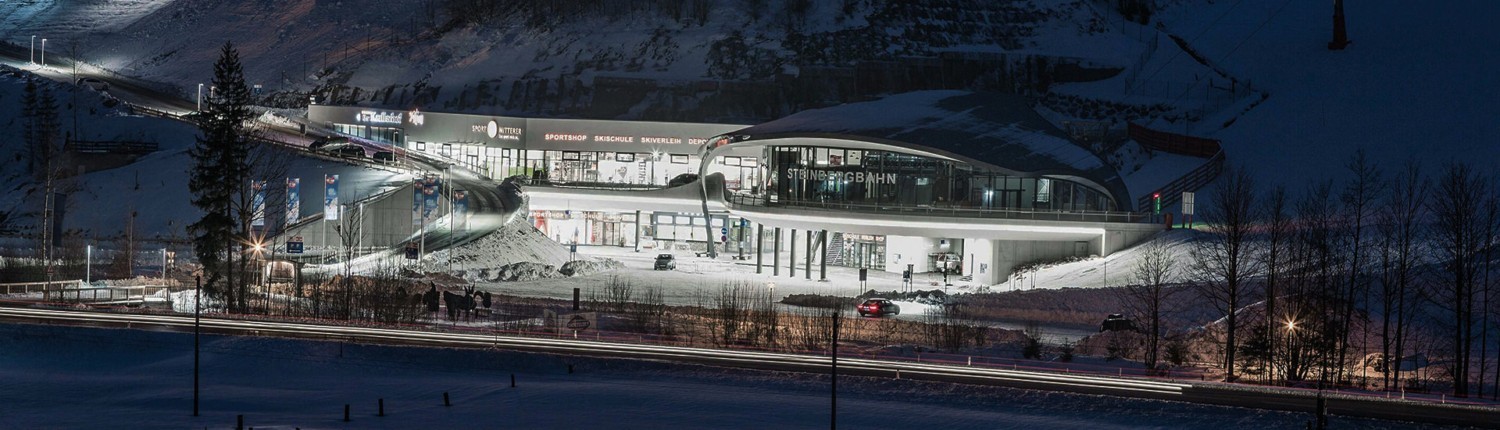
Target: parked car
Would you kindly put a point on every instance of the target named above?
(94, 83)
(1116, 322)
(349, 151)
(317, 144)
(385, 157)
(666, 262)
(878, 307)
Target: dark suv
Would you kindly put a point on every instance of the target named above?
(878, 307)
(666, 262)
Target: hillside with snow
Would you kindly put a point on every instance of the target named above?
(1255, 74)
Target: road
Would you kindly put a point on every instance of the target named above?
(155, 99)
(1208, 393)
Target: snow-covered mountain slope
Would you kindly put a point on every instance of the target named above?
(1414, 83)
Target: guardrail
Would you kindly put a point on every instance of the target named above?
(1192, 180)
(98, 295)
(42, 287)
(594, 186)
(741, 200)
(112, 146)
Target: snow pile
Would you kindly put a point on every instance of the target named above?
(589, 267)
(515, 242)
(523, 271)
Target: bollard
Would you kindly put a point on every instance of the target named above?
(971, 360)
(898, 373)
(382, 408)
(513, 380)
(445, 399)
(239, 422)
(346, 412)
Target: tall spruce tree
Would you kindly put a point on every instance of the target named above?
(220, 175)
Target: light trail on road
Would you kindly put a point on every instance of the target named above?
(1209, 393)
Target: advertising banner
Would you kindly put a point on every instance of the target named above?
(330, 197)
(416, 202)
(461, 209)
(293, 200)
(431, 189)
(258, 203)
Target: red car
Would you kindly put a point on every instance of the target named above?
(878, 307)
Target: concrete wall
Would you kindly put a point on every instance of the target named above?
(903, 250)
(387, 221)
(992, 261)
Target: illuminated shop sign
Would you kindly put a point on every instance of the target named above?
(416, 118)
(611, 138)
(855, 177)
(662, 140)
(614, 139)
(377, 117)
(565, 137)
(493, 130)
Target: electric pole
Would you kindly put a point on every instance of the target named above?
(1340, 36)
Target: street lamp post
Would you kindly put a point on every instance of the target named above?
(33, 49)
(43, 63)
(200, 97)
(655, 155)
(88, 265)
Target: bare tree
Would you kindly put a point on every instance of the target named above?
(1278, 231)
(1457, 207)
(1399, 227)
(1223, 261)
(1358, 198)
(1154, 269)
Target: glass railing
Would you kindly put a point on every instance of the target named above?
(739, 199)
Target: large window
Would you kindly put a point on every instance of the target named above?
(877, 179)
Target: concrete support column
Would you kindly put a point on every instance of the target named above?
(791, 263)
(807, 266)
(823, 248)
(760, 241)
(776, 253)
(637, 237)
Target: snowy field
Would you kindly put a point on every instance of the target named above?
(62, 377)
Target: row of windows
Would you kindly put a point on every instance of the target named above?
(840, 176)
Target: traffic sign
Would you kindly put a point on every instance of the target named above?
(412, 251)
(578, 323)
(724, 230)
(863, 272)
(294, 247)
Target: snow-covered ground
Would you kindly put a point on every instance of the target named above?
(62, 378)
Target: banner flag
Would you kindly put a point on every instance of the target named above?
(461, 209)
(430, 192)
(258, 203)
(416, 202)
(293, 200)
(331, 197)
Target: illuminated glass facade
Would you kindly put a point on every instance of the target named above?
(836, 176)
